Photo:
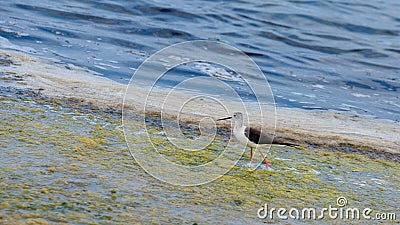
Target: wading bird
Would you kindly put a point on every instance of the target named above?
(250, 136)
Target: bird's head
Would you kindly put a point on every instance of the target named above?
(237, 116)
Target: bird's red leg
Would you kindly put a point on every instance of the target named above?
(251, 155)
(265, 159)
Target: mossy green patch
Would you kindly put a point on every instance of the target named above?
(73, 166)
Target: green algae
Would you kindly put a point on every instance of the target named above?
(71, 165)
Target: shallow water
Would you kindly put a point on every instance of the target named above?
(316, 55)
(64, 162)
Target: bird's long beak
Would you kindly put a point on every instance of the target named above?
(226, 118)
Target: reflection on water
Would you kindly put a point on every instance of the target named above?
(316, 54)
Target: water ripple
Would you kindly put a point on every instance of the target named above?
(288, 41)
(155, 10)
(69, 15)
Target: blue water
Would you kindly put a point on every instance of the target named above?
(342, 55)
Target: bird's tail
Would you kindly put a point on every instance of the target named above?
(285, 142)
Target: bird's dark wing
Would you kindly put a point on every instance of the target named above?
(256, 136)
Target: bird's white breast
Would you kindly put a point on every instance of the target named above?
(241, 137)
